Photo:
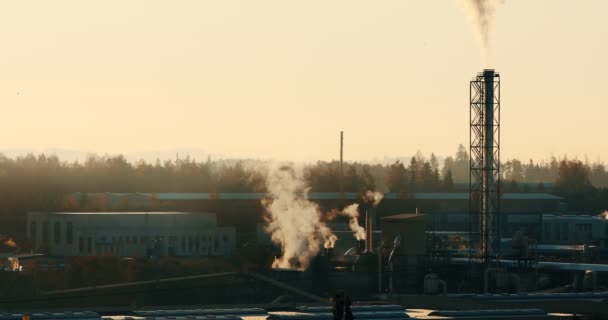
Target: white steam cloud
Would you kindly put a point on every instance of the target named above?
(375, 197)
(352, 212)
(292, 220)
(481, 14)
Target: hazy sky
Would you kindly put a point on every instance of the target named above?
(280, 79)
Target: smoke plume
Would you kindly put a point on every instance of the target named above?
(375, 197)
(481, 14)
(352, 212)
(292, 220)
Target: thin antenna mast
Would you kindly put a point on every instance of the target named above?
(341, 165)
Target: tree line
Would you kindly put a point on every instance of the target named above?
(41, 178)
(38, 182)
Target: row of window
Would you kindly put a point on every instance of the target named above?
(57, 234)
(134, 240)
(560, 231)
(115, 249)
(189, 244)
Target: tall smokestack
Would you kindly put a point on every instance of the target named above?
(488, 185)
(485, 162)
(488, 77)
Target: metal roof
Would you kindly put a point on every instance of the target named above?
(465, 196)
(205, 196)
(369, 308)
(530, 196)
(405, 216)
(332, 195)
(488, 313)
(197, 196)
(227, 313)
(551, 265)
(377, 314)
(52, 315)
(115, 213)
(601, 296)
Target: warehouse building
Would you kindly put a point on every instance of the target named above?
(129, 234)
(245, 212)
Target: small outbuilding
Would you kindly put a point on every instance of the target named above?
(411, 228)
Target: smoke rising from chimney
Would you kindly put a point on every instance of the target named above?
(481, 14)
(294, 222)
(352, 212)
(375, 197)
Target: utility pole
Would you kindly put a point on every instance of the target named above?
(341, 166)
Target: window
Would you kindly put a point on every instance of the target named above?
(45, 231)
(80, 244)
(190, 244)
(57, 232)
(33, 233)
(547, 228)
(565, 231)
(583, 232)
(183, 244)
(69, 233)
(89, 245)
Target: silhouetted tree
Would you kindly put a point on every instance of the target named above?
(448, 181)
(573, 177)
(397, 177)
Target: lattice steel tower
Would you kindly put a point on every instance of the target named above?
(484, 198)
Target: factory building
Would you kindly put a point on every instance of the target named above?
(392, 203)
(129, 234)
(244, 211)
(577, 229)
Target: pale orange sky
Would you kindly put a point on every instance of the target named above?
(280, 79)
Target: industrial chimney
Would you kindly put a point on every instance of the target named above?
(485, 163)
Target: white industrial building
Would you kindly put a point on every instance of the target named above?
(129, 234)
